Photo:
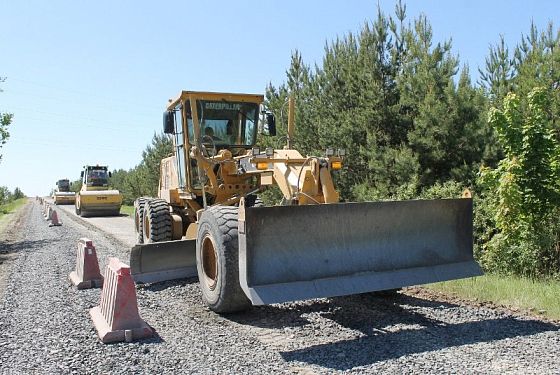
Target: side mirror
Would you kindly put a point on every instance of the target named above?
(168, 122)
(110, 175)
(270, 124)
(82, 174)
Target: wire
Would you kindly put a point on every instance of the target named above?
(72, 92)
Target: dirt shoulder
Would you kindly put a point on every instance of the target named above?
(11, 226)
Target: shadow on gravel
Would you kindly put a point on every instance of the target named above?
(157, 287)
(391, 328)
(11, 247)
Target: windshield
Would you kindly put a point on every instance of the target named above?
(97, 177)
(227, 123)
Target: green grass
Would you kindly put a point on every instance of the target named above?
(537, 296)
(128, 210)
(7, 209)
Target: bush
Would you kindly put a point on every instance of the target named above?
(517, 218)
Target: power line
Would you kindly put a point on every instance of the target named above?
(86, 94)
(56, 117)
(115, 108)
(80, 145)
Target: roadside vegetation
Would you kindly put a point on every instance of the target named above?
(10, 202)
(414, 125)
(12, 206)
(5, 121)
(127, 210)
(539, 297)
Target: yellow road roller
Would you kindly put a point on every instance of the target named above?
(62, 193)
(96, 198)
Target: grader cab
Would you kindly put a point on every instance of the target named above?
(208, 220)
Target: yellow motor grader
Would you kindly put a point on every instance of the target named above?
(208, 220)
(96, 198)
(62, 193)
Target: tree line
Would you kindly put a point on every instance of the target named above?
(413, 125)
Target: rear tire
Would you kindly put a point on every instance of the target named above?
(217, 260)
(139, 218)
(156, 221)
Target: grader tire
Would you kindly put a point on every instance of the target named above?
(217, 260)
(156, 221)
(139, 205)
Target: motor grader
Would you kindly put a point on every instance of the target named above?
(208, 220)
(62, 193)
(95, 197)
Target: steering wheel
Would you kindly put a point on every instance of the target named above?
(208, 142)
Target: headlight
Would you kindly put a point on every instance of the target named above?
(329, 152)
(262, 165)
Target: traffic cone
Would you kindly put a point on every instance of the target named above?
(116, 318)
(54, 220)
(87, 273)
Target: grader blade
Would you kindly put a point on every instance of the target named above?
(301, 252)
(161, 261)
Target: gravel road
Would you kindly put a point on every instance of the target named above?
(45, 326)
(120, 227)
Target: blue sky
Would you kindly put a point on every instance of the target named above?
(87, 81)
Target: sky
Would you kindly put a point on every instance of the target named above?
(87, 81)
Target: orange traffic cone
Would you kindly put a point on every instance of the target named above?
(116, 318)
(87, 273)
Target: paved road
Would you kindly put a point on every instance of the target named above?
(120, 227)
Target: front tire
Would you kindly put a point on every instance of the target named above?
(156, 221)
(217, 260)
(139, 205)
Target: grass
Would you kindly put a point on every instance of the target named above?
(128, 210)
(537, 296)
(9, 208)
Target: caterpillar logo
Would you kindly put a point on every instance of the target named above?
(223, 106)
(101, 198)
